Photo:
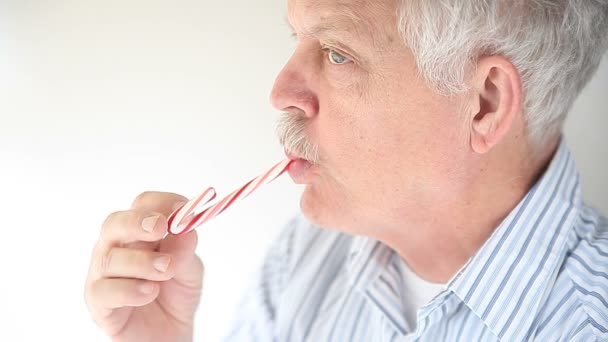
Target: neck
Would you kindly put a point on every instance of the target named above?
(451, 229)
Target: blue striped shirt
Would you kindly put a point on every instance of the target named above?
(542, 276)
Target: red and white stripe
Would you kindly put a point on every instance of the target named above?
(196, 212)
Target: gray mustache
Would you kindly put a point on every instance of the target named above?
(291, 133)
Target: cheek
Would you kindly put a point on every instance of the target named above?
(345, 133)
(384, 139)
(388, 141)
(340, 118)
(353, 139)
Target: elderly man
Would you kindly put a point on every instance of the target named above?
(428, 136)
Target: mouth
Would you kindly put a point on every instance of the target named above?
(300, 170)
(292, 156)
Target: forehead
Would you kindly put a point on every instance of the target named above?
(361, 17)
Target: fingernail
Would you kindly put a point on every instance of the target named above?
(146, 288)
(149, 223)
(162, 263)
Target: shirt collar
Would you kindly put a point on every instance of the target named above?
(506, 281)
(366, 259)
(368, 272)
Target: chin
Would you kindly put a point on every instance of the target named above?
(312, 207)
(326, 211)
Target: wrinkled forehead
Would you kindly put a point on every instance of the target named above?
(366, 19)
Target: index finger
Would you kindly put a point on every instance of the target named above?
(160, 202)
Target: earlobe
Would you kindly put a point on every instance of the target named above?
(498, 100)
(483, 127)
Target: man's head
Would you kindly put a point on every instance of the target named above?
(414, 105)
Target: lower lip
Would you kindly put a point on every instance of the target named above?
(300, 171)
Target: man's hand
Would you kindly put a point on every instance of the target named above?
(141, 285)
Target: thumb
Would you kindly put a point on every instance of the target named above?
(188, 266)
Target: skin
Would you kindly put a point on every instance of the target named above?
(129, 298)
(428, 175)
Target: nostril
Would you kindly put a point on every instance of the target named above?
(292, 89)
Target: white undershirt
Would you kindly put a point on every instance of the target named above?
(417, 293)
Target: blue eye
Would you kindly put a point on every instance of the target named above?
(336, 58)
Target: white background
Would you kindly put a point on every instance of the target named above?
(101, 100)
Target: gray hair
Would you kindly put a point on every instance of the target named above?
(291, 130)
(555, 45)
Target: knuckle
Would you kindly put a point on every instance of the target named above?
(115, 224)
(105, 261)
(109, 220)
(143, 198)
(94, 297)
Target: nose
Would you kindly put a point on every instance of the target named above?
(293, 87)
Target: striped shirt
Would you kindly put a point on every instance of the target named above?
(541, 276)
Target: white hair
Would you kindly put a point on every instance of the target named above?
(291, 130)
(556, 45)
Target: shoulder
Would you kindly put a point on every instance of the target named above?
(576, 305)
(586, 266)
(587, 261)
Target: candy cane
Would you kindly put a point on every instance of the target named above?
(193, 214)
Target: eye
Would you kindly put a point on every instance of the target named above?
(336, 58)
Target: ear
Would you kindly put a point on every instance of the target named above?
(497, 102)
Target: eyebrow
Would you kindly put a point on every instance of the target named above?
(340, 31)
(328, 28)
